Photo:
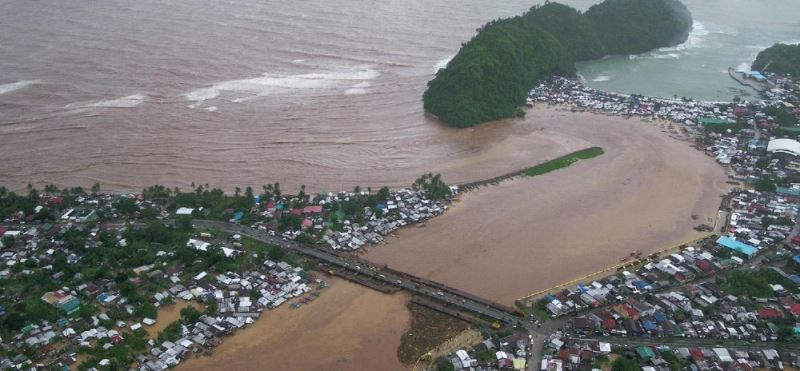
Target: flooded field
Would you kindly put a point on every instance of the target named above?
(349, 327)
(502, 242)
(170, 313)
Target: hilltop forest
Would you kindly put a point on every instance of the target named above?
(490, 76)
(782, 59)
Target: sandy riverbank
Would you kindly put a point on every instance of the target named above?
(502, 242)
(348, 327)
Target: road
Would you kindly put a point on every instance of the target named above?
(633, 342)
(414, 285)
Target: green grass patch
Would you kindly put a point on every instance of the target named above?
(564, 161)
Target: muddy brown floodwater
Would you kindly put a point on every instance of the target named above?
(348, 327)
(502, 242)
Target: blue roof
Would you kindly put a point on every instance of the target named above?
(648, 325)
(795, 278)
(640, 284)
(660, 316)
(582, 287)
(736, 245)
(788, 191)
(238, 215)
(796, 259)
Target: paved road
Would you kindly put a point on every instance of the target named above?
(354, 264)
(633, 342)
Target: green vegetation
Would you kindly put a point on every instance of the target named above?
(434, 187)
(564, 161)
(755, 283)
(782, 59)
(491, 75)
(624, 364)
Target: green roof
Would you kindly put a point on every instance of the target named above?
(71, 306)
(712, 121)
(645, 352)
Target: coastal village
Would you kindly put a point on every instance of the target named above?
(85, 273)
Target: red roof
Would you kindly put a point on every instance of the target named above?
(314, 209)
(609, 324)
(796, 239)
(795, 309)
(297, 211)
(769, 313)
(3, 230)
(57, 200)
(704, 265)
(696, 354)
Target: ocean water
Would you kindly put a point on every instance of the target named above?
(726, 33)
(323, 93)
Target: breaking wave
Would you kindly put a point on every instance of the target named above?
(8, 88)
(129, 101)
(601, 78)
(268, 83)
(442, 64)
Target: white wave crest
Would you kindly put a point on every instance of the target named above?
(601, 78)
(129, 101)
(8, 88)
(667, 56)
(267, 84)
(124, 102)
(442, 63)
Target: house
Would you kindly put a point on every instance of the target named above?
(769, 313)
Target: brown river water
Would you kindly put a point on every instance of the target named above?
(240, 92)
(323, 93)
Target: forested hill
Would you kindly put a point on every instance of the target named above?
(490, 76)
(782, 59)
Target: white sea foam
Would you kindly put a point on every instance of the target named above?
(356, 91)
(268, 83)
(697, 37)
(744, 66)
(8, 88)
(667, 56)
(129, 101)
(442, 63)
(124, 102)
(211, 108)
(601, 78)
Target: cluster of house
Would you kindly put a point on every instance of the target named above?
(700, 310)
(759, 220)
(508, 353)
(404, 207)
(559, 90)
(240, 298)
(564, 353)
(678, 268)
(31, 246)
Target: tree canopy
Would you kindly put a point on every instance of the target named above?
(782, 59)
(491, 75)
